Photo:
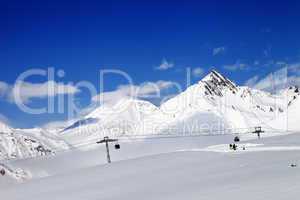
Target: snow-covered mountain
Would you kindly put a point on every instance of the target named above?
(124, 118)
(17, 143)
(290, 118)
(215, 104)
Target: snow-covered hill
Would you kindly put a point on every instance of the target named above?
(124, 118)
(170, 168)
(16, 143)
(291, 117)
(214, 105)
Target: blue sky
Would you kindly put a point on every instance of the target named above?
(150, 40)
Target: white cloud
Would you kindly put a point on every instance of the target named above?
(218, 50)
(59, 125)
(267, 51)
(294, 68)
(145, 90)
(197, 72)
(4, 119)
(165, 65)
(28, 91)
(273, 81)
(277, 80)
(293, 81)
(237, 66)
(266, 30)
(281, 63)
(3, 88)
(252, 81)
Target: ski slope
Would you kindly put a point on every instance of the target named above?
(165, 169)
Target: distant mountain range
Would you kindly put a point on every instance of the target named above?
(214, 105)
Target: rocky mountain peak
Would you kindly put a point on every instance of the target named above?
(215, 83)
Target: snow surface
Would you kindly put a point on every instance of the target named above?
(17, 143)
(166, 168)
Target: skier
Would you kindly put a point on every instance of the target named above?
(234, 147)
(2, 172)
(293, 165)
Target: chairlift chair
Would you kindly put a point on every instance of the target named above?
(236, 139)
(117, 146)
(258, 129)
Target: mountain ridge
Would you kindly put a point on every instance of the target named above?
(215, 101)
(213, 105)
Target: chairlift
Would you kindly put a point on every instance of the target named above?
(258, 129)
(236, 139)
(117, 146)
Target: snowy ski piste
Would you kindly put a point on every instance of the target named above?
(163, 154)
